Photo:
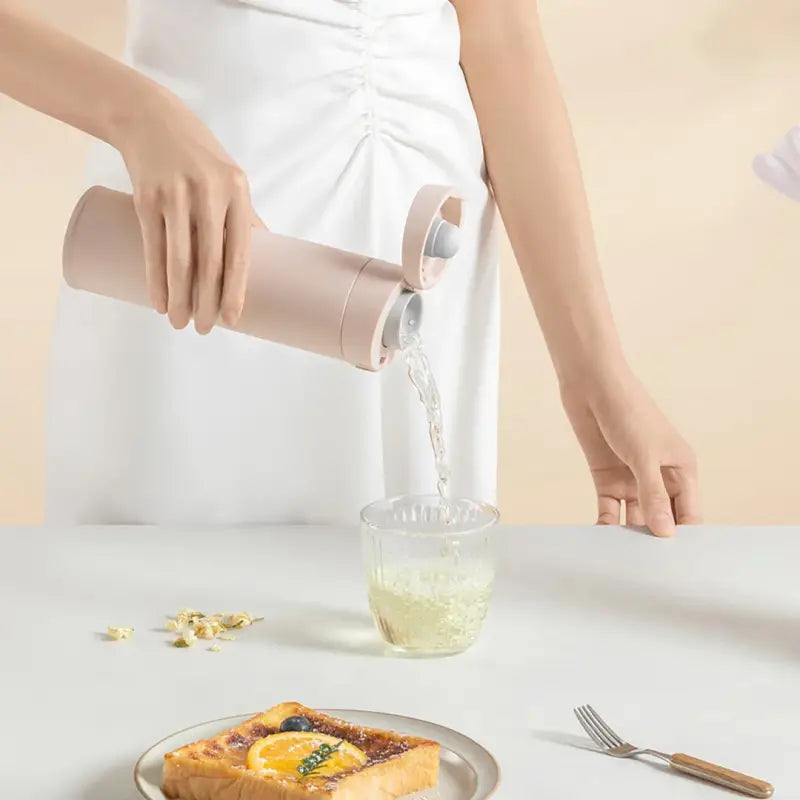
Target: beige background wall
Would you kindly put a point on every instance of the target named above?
(670, 100)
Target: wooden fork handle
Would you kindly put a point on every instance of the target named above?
(721, 776)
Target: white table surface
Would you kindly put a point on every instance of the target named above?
(691, 644)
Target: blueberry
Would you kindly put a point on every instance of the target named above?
(295, 724)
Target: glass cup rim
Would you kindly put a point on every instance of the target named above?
(491, 512)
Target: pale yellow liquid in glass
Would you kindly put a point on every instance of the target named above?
(431, 608)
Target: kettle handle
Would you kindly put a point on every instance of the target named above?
(432, 202)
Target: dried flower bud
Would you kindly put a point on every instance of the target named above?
(118, 634)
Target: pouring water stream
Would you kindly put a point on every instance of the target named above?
(421, 376)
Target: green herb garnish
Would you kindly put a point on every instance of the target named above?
(310, 764)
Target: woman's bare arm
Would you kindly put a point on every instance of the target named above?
(536, 179)
(183, 180)
(64, 78)
(634, 454)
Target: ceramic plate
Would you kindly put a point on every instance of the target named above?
(467, 770)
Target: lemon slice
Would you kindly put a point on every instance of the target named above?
(285, 754)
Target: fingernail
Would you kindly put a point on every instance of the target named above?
(663, 524)
(231, 317)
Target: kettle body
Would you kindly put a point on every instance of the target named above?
(302, 294)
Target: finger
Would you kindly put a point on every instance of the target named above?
(654, 500)
(238, 225)
(608, 510)
(687, 500)
(210, 252)
(634, 514)
(180, 272)
(154, 242)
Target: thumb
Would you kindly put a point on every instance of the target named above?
(654, 500)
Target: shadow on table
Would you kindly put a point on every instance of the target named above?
(114, 784)
(323, 629)
(628, 598)
(565, 739)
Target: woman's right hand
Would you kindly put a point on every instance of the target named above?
(194, 207)
(193, 201)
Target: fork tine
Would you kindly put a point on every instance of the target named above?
(608, 742)
(617, 739)
(594, 730)
(586, 727)
(595, 733)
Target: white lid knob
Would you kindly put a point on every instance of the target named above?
(443, 240)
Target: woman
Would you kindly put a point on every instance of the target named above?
(322, 118)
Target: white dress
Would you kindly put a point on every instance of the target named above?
(338, 111)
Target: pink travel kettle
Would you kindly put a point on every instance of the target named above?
(302, 294)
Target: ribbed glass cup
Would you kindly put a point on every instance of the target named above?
(429, 570)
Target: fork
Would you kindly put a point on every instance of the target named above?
(613, 745)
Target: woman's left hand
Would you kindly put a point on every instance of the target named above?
(635, 454)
